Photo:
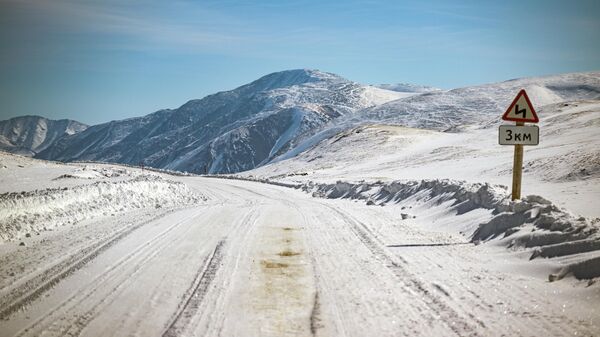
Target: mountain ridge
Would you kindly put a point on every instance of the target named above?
(30, 134)
(228, 131)
(282, 114)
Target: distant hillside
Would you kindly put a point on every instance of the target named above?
(28, 135)
(455, 109)
(443, 110)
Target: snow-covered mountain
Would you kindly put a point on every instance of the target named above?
(456, 109)
(454, 135)
(229, 131)
(408, 87)
(28, 135)
(286, 113)
(442, 110)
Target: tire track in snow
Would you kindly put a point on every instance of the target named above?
(196, 293)
(316, 318)
(61, 311)
(500, 303)
(315, 315)
(242, 234)
(456, 322)
(83, 320)
(513, 300)
(359, 297)
(32, 289)
(73, 320)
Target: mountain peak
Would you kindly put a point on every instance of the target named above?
(288, 78)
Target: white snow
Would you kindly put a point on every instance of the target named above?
(400, 225)
(408, 87)
(377, 96)
(262, 260)
(483, 212)
(93, 191)
(564, 167)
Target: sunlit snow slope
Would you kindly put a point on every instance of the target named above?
(454, 135)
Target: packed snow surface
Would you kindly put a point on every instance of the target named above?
(263, 260)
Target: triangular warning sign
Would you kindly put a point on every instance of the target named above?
(521, 110)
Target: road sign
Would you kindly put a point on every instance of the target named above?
(521, 110)
(523, 135)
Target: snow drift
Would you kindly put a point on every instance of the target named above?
(23, 213)
(532, 223)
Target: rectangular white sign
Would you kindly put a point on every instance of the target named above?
(524, 135)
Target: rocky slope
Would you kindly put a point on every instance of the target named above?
(29, 135)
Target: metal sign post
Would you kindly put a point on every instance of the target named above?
(520, 111)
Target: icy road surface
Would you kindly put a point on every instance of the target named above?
(262, 260)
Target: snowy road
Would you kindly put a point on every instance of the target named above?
(262, 260)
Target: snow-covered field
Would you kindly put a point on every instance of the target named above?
(229, 257)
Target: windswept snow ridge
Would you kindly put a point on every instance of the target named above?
(469, 196)
(533, 223)
(40, 210)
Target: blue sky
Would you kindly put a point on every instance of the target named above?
(96, 61)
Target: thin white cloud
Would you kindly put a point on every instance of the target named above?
(193, 27)
(135, 23)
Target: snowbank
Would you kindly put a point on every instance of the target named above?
(476, 195)
(258, 180)
(24, 213)
(532, 223)
(147, 168)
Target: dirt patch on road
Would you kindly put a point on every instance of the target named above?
(272, 265)
(287, 253)
(281, 291)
